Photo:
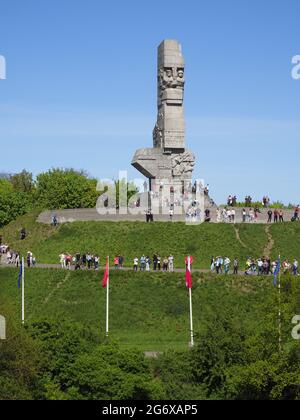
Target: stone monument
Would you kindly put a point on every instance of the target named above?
(168, 161)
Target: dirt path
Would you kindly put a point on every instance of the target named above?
(237, 234)
(269, 247)
(58, 286)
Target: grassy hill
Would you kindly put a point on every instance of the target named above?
(148, 311)
(134, 239)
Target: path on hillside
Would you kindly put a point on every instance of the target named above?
(270, 245)
(237, 234)
(112, 269)
(85, 215)
(58, 286)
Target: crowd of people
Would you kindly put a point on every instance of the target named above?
(145, 263)
(262, 266)
(13, 258)
(89, 261)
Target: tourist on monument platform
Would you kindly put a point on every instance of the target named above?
(135, 264)
(256, 213)
(84, 260)
(281, 216)
(296, 213)
(244, 215)
(276, 215)
(171, 213)
(270, 215)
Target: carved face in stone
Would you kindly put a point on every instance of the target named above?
(180, 74)
(169, 73)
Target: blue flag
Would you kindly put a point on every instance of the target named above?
(277, 272)
(20, 276)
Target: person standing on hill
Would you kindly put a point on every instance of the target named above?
(155, 262)
(226, 265)
(135, 264)
(270, 214)
(116, 262)
(235, 266)
(121, 261)
(158, 262)
(171, 263)
(295, 268)
(143, 263)
(281, 220)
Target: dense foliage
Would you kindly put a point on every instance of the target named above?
(55, 189)
(63, 354)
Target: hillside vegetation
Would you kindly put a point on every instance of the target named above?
(134, 239)
(62, 352)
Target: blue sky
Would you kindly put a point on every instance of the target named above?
(81, 88)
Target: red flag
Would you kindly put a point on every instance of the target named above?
(106, 274)
(188, 274)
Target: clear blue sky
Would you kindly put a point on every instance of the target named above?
(81, 88)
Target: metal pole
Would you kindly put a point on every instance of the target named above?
(107, 302)
(23, 291)
(279, 314)
(191, 319)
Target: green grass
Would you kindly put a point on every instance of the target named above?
(134, 239)
(148, 311)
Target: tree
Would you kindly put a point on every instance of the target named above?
(12, 205)
(22, 182)
(62, 189)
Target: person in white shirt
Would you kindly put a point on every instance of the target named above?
(171, 263)
(135, 264)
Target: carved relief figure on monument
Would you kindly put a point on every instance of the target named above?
(183, 164)
(180, 78)
(157, 136)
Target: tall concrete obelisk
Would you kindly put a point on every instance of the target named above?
(168, 160)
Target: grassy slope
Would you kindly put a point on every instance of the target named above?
(148, 311)
(134, 239)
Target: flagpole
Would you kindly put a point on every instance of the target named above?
(191, 318)
(279, 313)
(107, 302)
(23, 291)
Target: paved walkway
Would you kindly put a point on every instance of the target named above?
(85, 215)
(112, 269)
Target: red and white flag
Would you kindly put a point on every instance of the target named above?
(188, 274)
(106, 275)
